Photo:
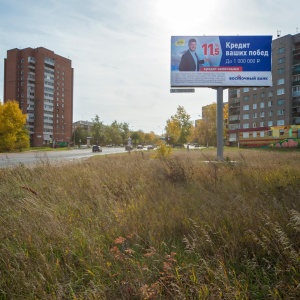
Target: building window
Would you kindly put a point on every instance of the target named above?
(280, 122)
(254, 125)
(270, 94)
(281, 132)
(246, 89)
(262, 104)
(270, 103)
(270, 113)
(262, 124)
(280, 102)
(246, 125)
(296, 88)
(254, 134)
(280, 112)
(245, 135)
(280, 92)
(255, 116)
(246, 107)
(262, 95)
(254, 96)
(246, 117)
(270, 123)
(280, 60)
(254, 105)
(280, 81)
(262, 114)
(246, 98)
(262, 134)
(280, 50)
(280, 71)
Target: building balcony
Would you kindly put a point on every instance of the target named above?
(296, 120)
(233, 122)
(296, 94)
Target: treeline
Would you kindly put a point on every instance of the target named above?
(113, 134)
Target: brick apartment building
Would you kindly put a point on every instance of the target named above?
(256, 113)
(42, 83)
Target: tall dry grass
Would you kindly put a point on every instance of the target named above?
(138, 227)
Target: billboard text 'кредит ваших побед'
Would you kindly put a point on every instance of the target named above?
(207, 61)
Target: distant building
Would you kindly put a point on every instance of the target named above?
(86, 125)
(257, 115)
(42, 82)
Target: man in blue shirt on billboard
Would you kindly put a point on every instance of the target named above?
(190, 60)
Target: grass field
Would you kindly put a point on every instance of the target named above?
(135, 226)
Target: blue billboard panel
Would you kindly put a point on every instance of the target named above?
(206, 61)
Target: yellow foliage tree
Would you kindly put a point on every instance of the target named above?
(206, 129)
(173, 130)
(13, 134)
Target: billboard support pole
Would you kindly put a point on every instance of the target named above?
(220, 118)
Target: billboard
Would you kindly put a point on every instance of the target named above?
(228, 61)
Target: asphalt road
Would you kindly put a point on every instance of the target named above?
(34, 157)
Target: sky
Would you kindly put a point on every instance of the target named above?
(120, 49)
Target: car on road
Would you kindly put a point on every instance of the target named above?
(139, 147)
(96, 148)
(178, 146)
(128, 148)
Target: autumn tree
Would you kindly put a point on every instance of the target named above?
(150, 137)
(225, 118)
(13, 132)
(178, 127)
(206, 129)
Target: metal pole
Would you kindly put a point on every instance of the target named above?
(220, 123)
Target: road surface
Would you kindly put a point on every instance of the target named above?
(34, 157)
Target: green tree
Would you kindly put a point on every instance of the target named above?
(135, 137)
(125, 132)
(178, 127)
(13, 132)
(98, 131)
(80, 135)
(113, 133)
